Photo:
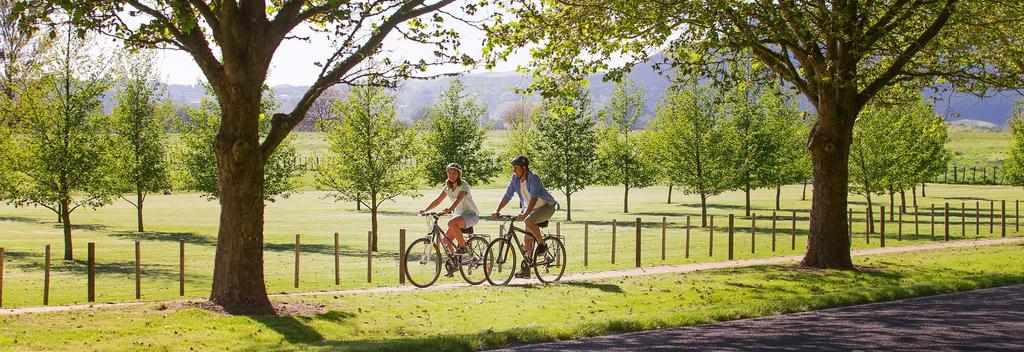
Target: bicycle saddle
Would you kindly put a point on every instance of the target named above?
(543, 224)
(468, 230)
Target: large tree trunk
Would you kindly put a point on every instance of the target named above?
(60, 220)
(828, 245)
(703, 210)
(65, 217)
(238, 283)
(138, 208)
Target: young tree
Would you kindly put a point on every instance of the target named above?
(688, 139)
(620, 159)
(61, 160)
(786, 161)
(1013, 167)
(838, 54)
(368, 159)
(895, 147)
(566, 143)
(138, 131)
(453, 132)
(21, 53)
(744, 122)
(234, 43)
(195, 160)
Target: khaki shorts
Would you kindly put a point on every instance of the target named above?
(541, 214)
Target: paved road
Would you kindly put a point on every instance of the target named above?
(981, 320)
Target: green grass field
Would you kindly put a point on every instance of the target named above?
(488, 317)
(24, 232)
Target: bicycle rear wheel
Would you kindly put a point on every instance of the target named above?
(500, 262)
(550, 266)
(472, 263)
(422, 263)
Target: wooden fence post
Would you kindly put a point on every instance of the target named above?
(933, 220)
(92, 272)
(963, 219)
(614, 228)
(586, 243)
(991, 216)
(1002, 221)
(687, 253)
(881, 232)
(138, 270)
(337, 261)
(298, 249)
(401, 256)
(711, 236)
(753, 231)
(792, 234)
(917, 225)
(46, 277)
(558, 228)
(899, 225)
(637, 242)
(730, 236)
(181, 268)
(1016, 220)
(977, 218)
(945, 222)
(773, 231)
(1, 276)
(369, 256)
(663, 221)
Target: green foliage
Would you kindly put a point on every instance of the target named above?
(896, 146)
(368, 159)
(195, 164)
(1013, 167)
(452, 132)
(139, 121)
(566, 148)
(787, 160)
(687, 140)
(620, 157)
(59, 157)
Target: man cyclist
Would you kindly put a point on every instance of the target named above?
(536, 203)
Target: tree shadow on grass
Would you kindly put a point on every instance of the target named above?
(18, 219)
(190, 238)
(291, 328)
(123, 268)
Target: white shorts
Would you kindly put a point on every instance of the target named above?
(470, 218)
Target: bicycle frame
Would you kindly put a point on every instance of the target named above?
(511, 235)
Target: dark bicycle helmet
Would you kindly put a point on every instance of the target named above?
(521, 161)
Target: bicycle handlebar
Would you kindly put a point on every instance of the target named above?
(508, 217)
(435, 214)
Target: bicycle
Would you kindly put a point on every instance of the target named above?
(423, 259)
(500, 259)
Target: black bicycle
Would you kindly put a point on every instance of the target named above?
(423, 258)
(500, 262)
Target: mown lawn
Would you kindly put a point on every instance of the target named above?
(487, 317)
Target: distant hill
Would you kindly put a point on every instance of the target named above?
(496, 91)
(974, 125)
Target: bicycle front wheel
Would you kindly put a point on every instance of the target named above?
(550, 266)
(472, 263)
(422, 263)
(500, 262)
